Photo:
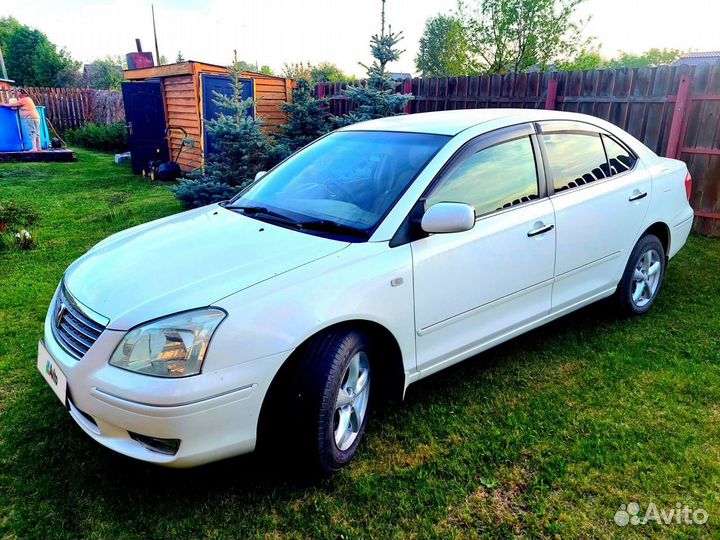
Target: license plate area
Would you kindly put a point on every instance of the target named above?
(52, 373)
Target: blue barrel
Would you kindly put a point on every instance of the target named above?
(10, 134)
(44, 133)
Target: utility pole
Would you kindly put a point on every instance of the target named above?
(157, 52)
(382, 20)
(2, 66)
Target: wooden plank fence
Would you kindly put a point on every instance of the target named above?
(673, 110)
(67, 108)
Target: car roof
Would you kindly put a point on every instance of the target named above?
(453, 122)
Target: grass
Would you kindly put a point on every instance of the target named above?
(544, 436)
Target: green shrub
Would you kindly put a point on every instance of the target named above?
(109, 138)
(203, 190)
(13, 214)
(14, 218)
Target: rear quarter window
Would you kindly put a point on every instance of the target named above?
(619, 158)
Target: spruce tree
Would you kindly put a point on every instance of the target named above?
(307, 117)
(376, 98)
(242, 149)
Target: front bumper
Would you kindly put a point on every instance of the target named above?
(214, 414)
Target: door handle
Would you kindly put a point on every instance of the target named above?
(541, 230)
(637, 196)
(129, 127)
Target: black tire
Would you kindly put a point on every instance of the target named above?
(627, 287)
(321, 370)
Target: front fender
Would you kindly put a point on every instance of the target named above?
(368, 281)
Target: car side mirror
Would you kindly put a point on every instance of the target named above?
(448, 217)
(260, 174)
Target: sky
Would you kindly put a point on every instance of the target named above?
(274, 32)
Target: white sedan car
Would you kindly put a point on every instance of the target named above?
(376, 256)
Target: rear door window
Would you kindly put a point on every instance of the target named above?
(575, 159)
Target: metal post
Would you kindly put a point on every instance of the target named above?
(407, 89)
(157, 52)
(2, 66)
(551, 97)
(678, 119)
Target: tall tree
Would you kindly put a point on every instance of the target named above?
(329, 72)
(8, 25)
(586, 59)
(376, 98)
(104, 73)
(515, 35)
(32, 60)
(316, 73)
(443, 50)
(650, 58)
(591, 59)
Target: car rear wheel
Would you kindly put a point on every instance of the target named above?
(333, 397)
(643, 276)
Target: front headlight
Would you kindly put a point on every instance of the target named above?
(171, 347)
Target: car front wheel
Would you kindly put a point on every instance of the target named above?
(643, 276)
(333, 396)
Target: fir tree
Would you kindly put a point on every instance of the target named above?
(307, 117)
(242, 149)
(376, 98)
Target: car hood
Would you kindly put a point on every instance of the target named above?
(186, 261)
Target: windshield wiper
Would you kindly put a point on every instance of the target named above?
(320, 225)
(326, 225)
(255, 210)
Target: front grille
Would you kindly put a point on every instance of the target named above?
(74, 330)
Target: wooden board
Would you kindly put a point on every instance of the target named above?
(45, 155)
(183, 68)
(182, 110)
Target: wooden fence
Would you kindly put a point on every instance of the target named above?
(73, 107)
(674, 110)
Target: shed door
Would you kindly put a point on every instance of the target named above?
(145, 117)
(222, 85)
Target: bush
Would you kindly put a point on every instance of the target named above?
(13, 220)
(13, 215)
(202, 190)
(108, 138)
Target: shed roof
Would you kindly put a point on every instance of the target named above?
(186, 68)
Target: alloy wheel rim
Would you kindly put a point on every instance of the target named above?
(646, 277)
(352, 401)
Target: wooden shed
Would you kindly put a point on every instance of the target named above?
(182, 95)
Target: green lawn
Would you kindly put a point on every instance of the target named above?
(543, 437)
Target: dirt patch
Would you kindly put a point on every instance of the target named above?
(496, 504)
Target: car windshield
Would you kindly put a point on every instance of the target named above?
(348, 180)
